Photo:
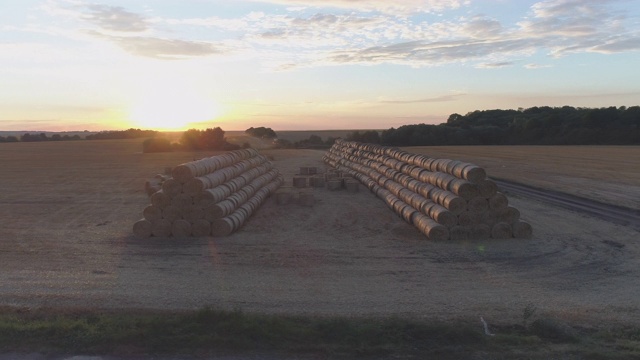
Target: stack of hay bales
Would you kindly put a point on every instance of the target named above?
(212, 196)
(444, 199)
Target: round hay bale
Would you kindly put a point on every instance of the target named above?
(490, 217)
(193, 213)
(172, 187)
(479, 232)
(160, 199)
(522, 230)
(223, 227)
(469, 218)
(473, 173)
(152, 213)
(201, 228)
(487, 188)
(463, 188)
(508, 215)
(442, 216)
(430, 228)
(501, 230)
(161, 228)
(142, 228)
(498, 201)
(181, 228)
(478, 204)
(182, 201)
(171, 213)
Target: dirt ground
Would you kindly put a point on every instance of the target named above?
(67, 211)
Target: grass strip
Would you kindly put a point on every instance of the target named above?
(210, 331)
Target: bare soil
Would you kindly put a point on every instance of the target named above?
(67, 211)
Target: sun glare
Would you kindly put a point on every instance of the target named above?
(172, 109)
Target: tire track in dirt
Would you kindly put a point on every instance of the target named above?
(615, 214)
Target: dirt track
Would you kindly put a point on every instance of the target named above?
(67, 213)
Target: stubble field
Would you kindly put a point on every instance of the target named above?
(67, 209)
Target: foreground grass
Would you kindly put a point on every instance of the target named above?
(211, 331)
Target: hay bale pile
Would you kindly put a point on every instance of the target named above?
(445, 199)
(210, 197)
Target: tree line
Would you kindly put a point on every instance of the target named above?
(533, 126)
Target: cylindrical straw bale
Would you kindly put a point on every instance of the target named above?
(160, 199)
(468, 218)
(181, 228)
(490, 217)
(522, 230)
(487, 188)
(441, 215)
(473, 173)
(463, 188)
(172, 187)
(201, 228)
(408, 213)
(459, 233)
(498, 201)
(508, 215)
(142, 228)
(223, 227)
(193, 213)
(478, 204)
(430, 228)
(171, 213)
(152, 213)
(480, 232)
(452, 202)
(182, 201)
(161, 228)
(501, 230)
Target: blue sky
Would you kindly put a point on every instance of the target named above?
(307, 64)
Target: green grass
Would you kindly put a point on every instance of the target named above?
(210, 331)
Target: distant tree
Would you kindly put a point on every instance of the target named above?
(369, 136)
(261, 132)
(209, 139)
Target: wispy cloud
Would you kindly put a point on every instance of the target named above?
(321, 33)
(115, 18)
(404, 7)
(159, 48)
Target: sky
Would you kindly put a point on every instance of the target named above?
(68, 65)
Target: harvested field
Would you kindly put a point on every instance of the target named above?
(68, 209)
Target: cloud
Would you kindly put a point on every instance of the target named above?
(164, 49)
(536, 66)
(115, 18)
(618, 45)
(495, 65)
(405, 7)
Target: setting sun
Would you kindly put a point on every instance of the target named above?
(172, 109)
